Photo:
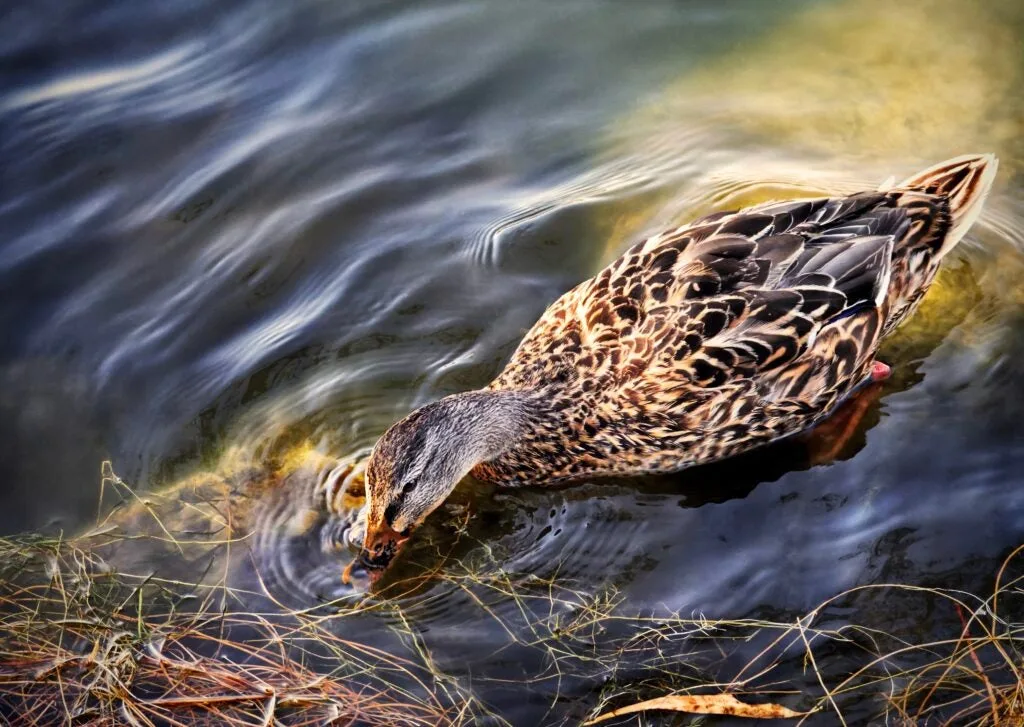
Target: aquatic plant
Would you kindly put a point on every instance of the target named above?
(80, 643)
(83, 641)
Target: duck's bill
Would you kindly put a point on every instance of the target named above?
(375, 556)
(380, 547)
(356, 572)
(374, 575)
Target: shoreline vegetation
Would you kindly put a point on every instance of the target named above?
(82, 642)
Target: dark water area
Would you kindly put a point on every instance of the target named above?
(234, 229)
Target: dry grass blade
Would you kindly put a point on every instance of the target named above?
(944, 676)
(725, 704)
(85, 641)
(81, 644)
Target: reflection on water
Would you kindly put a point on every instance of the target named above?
(242, 240)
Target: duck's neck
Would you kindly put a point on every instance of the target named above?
(480, 426)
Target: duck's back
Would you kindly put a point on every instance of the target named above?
(734, 330)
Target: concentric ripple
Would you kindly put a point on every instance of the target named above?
(299, 547)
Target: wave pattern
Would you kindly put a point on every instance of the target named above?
(237, 229)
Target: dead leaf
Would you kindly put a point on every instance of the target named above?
(705, 704)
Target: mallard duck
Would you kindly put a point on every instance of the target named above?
(699, 343)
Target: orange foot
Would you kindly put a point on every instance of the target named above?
(829, 438)
(346, 575)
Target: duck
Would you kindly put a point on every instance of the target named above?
(699, 343)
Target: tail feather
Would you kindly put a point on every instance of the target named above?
(965, 182)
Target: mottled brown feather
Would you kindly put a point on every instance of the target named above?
(718, 336)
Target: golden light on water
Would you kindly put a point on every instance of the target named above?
(894, 82)
(915, 80)
(833, 99)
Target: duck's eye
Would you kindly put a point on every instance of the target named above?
(391, 511)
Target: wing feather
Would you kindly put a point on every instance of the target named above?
(732, 296)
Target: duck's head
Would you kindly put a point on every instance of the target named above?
(417, 463)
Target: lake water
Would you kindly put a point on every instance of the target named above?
(235, 229)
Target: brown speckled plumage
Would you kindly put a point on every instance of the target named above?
(696, 344)
(737, 329)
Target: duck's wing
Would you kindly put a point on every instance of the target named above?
(751, 295)
(778, 281)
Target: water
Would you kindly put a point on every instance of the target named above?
(232, 230)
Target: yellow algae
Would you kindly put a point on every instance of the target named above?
(950, 301)
(239, 509)
(233, 460)
(240, 456)
(302, 455)
(871, 79)
(206, 505)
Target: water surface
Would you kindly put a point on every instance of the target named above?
(236, 229)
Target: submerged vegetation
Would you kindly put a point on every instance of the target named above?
(83, 642)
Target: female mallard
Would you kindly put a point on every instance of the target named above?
(696, 344)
